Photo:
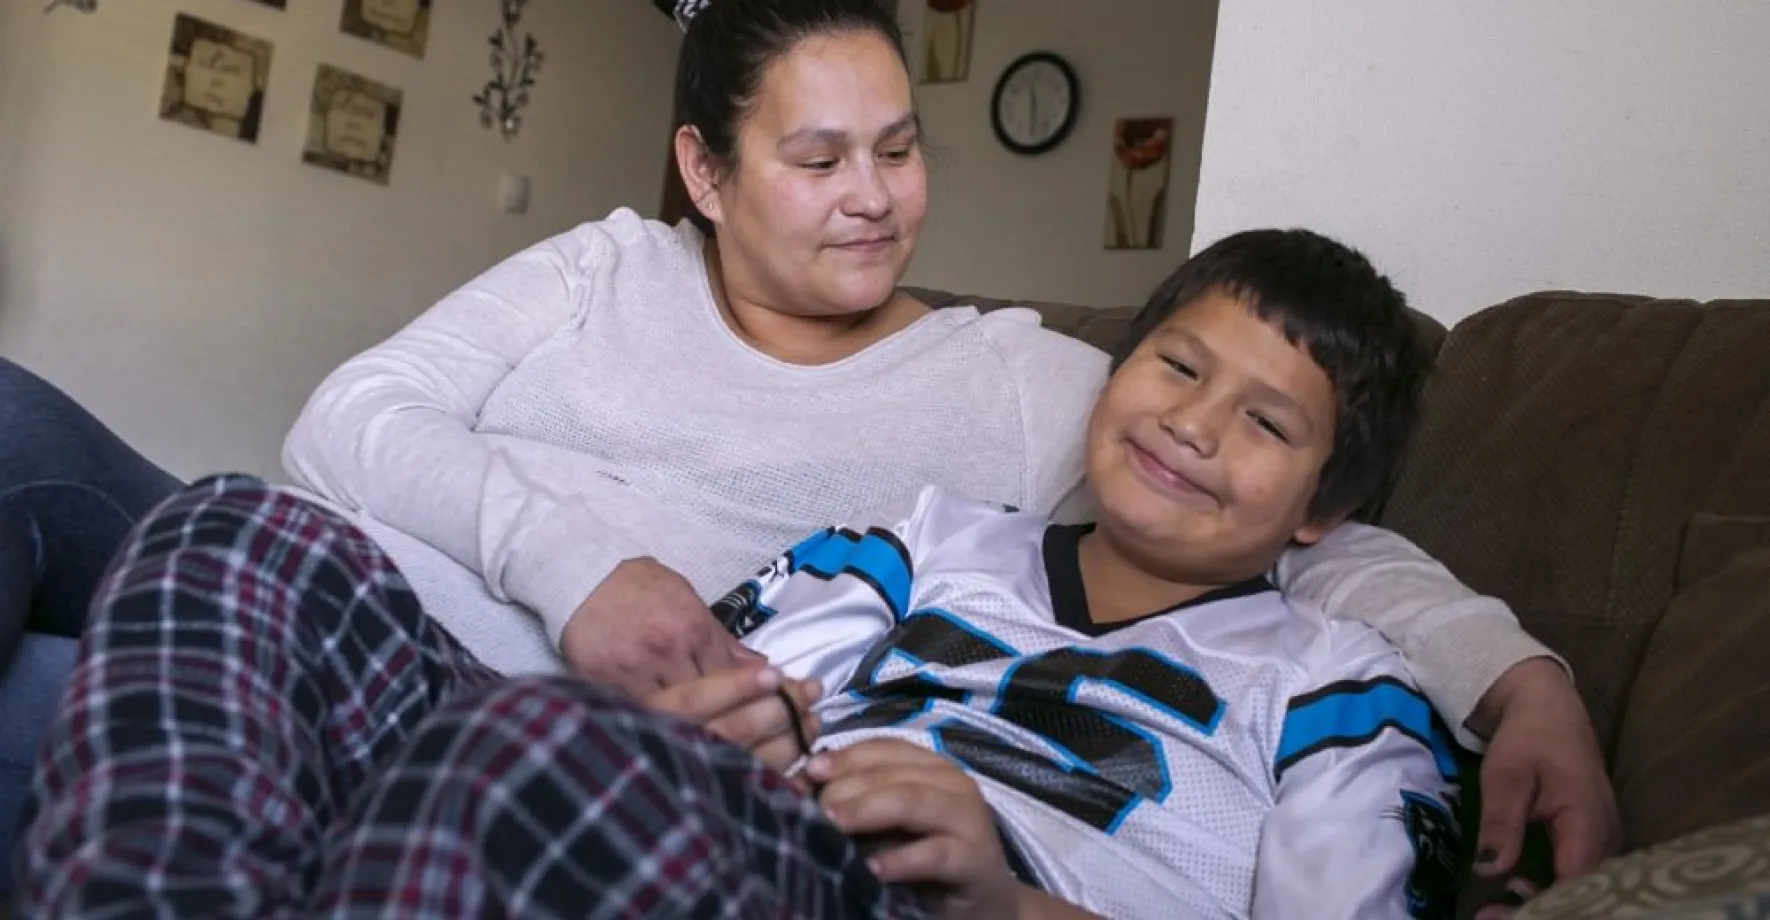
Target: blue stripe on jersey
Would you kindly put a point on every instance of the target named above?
(1352, 713)
(877, 558)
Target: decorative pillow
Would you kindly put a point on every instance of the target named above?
(1722, 873)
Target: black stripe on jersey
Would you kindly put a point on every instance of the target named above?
(1351, 713)
(900, 698)
(1069, 598)
(1348, 687)
(930, 635)
(1083, 794)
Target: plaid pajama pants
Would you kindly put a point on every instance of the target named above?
(264, 723)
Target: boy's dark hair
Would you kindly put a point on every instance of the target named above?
(728, 44)
(1330, 301)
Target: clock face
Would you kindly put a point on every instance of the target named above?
(1035, 104)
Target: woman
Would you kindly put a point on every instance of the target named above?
(570, 456)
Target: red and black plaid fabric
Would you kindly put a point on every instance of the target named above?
(264, 723)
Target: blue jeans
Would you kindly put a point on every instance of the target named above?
(70, 490)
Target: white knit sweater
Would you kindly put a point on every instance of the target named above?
(584, 402)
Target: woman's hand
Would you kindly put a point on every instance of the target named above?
(1542, 765)
(950, 843)
(745, 707)
(644, 629)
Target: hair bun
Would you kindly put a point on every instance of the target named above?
(686, 10)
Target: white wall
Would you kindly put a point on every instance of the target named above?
(1032, 227)
(192, 290)
(1484, 150)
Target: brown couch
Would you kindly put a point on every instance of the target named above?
(1602, 463)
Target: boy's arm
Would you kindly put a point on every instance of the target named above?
(1364, 825)
(1456, 642)
(1490, 681)
(817, 609)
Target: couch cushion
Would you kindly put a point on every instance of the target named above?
(1713, 541)
(1695, 743)
(1566, 441)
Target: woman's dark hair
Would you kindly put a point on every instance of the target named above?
(1328, 299)
(728, 44)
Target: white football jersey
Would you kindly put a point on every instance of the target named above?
(1235, 756)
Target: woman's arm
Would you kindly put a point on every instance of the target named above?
(391, 433)
(1456, 642)
(1057, 379)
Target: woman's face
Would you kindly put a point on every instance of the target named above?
(822, 211)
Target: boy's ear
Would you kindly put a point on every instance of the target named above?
(1311, 533)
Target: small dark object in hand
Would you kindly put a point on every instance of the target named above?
(868, 844)
(793, 719)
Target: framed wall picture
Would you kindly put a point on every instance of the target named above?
(947, 27)
(1137, 189)
(403, 25)
(353, 124)
(215, 79)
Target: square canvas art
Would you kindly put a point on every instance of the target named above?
(215, 79)
(353, 124)
(403, 25)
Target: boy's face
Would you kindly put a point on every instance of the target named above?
(1205, 447)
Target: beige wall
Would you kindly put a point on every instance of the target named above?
(1483, 150)
(1012, 226)
(192, 289)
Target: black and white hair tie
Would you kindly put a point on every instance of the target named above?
(687, 10)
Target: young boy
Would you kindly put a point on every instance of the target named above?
(1127, 714)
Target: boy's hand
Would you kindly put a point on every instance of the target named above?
(879, 787)
(744, 706)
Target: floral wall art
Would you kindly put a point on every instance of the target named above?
(946, 40)
(1137, 190)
